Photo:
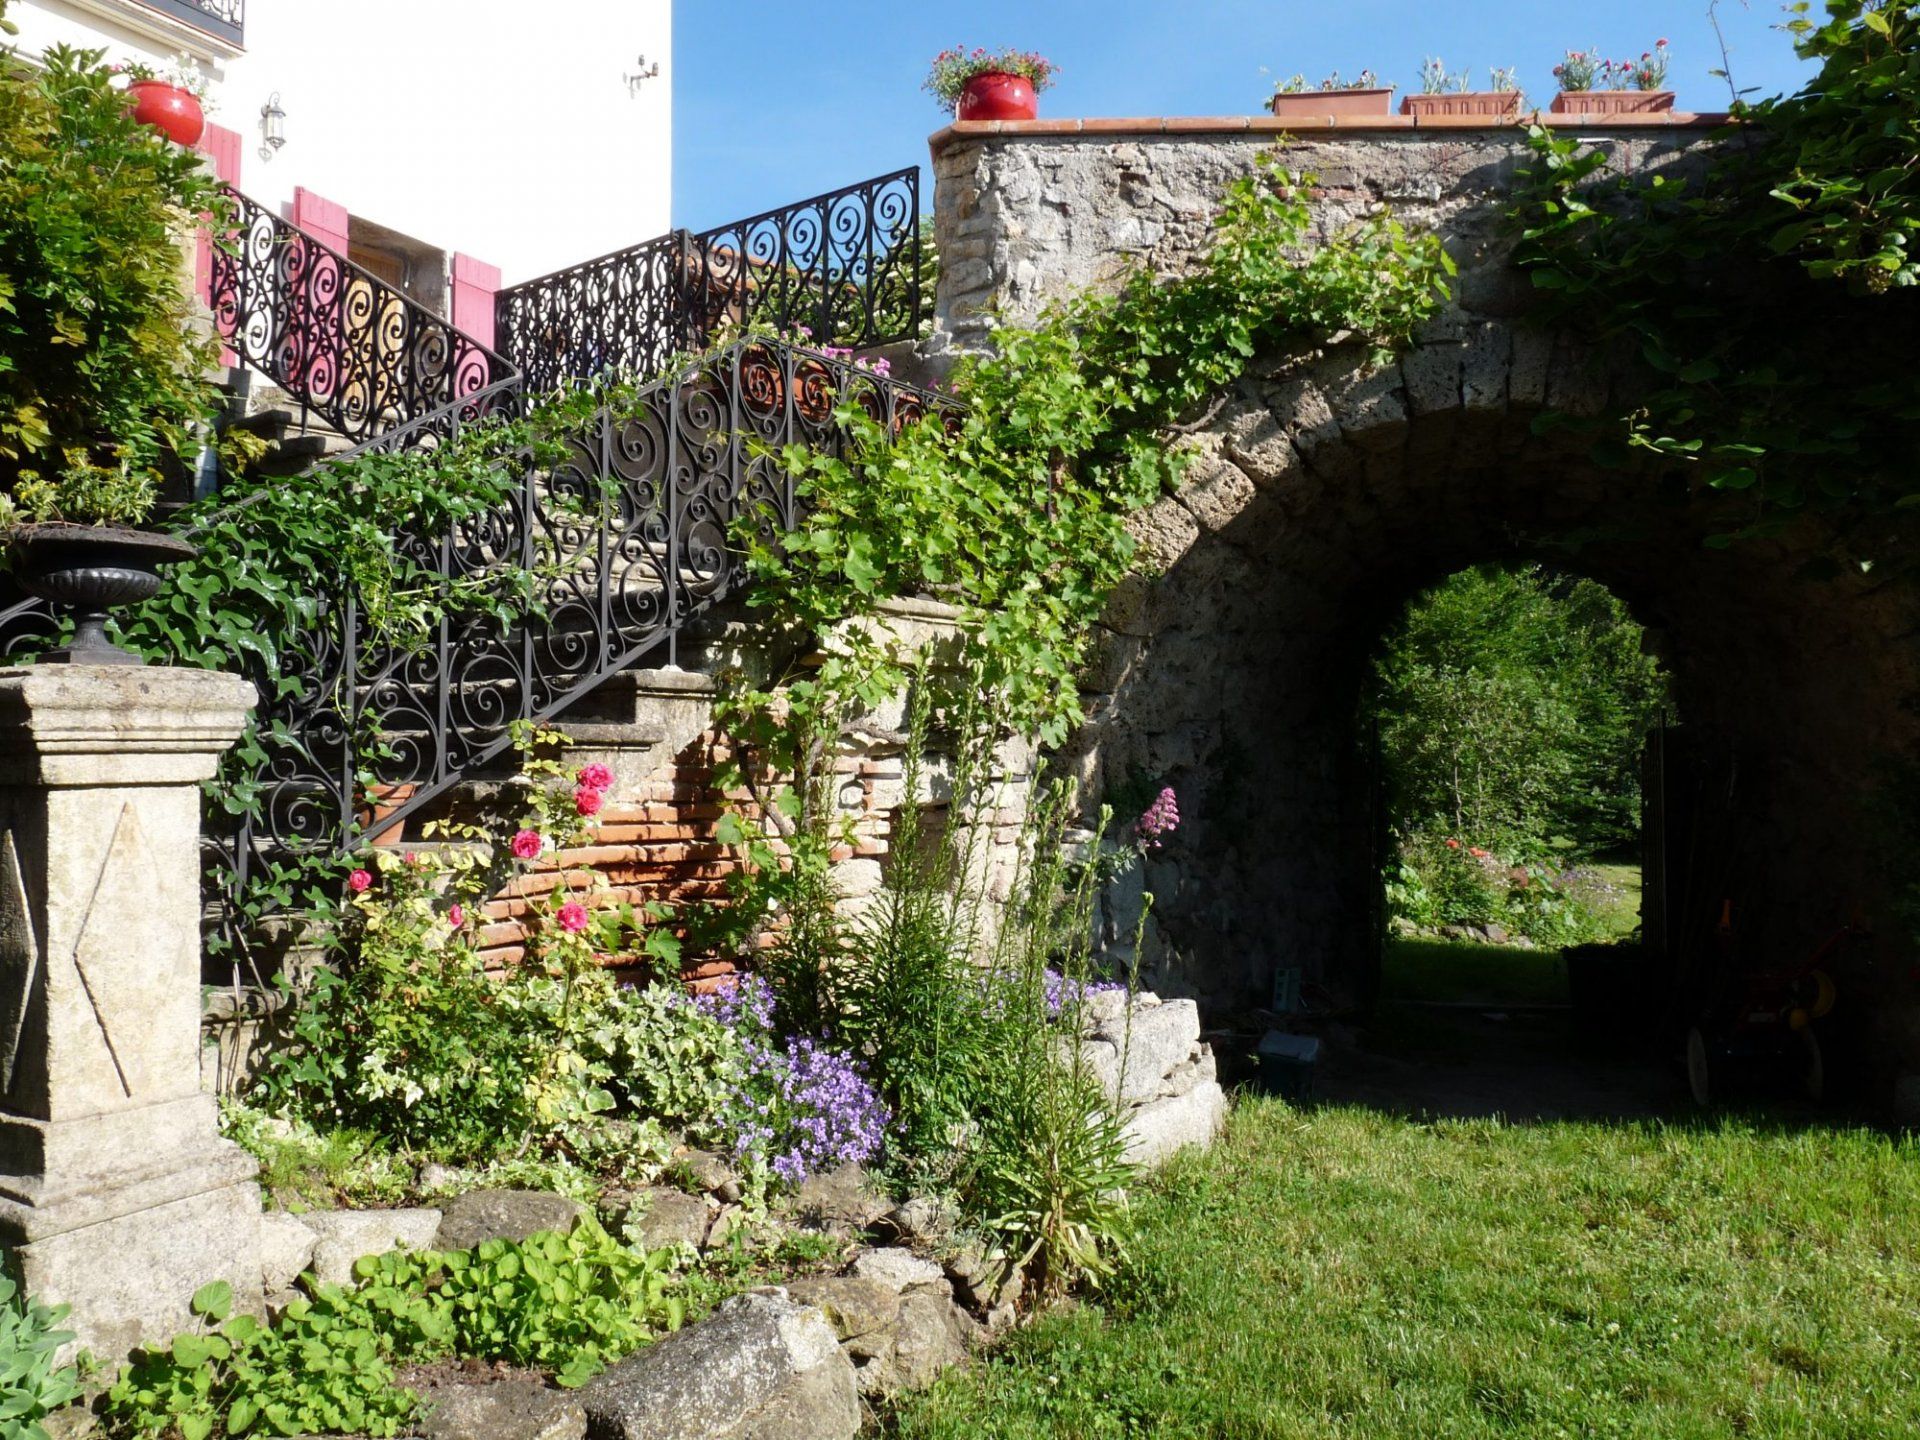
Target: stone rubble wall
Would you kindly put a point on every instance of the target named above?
(1324, 490)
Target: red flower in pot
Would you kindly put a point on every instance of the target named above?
(983, 84)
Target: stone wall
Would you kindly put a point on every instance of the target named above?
(1324, 492)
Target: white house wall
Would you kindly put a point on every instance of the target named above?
(497, 128)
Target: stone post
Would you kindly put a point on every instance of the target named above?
(118, 1196)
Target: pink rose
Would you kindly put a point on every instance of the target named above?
(588, 801)
(573, 916)
(526, 844)
(595, 777)
(358, 881)
(457, 916)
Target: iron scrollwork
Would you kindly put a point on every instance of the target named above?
(364, 357)
(845, 266)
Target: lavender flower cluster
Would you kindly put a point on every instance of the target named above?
(1062, 992)
(801, 1106)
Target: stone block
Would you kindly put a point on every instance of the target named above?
(760, 1368)
(898, 1269)
(286, 1249)
(862, 1311)
(1152, 1041)
(1157, 1131)
(840, 1202)
(663, 1216)
(930, 1335)
(347, 1235)
(130, 1279)
(482, 1215)
(500, 1410)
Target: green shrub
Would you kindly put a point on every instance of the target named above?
(567, 1304)
(31, 1385)
(102, 371)
(670, 1061)
(1437, 880)
(1512, 706)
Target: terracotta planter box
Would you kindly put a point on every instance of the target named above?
(1492, 104)
(1612, 102)
(1319, 104)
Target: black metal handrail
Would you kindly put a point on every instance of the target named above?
(844, 265)
(362, 355)
(226, 19)
(604, 556)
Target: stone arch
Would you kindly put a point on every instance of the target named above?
(1320, 497)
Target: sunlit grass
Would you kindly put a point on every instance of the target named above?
(1342, 1273)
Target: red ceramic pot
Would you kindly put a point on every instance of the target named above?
(996, 96)
(174, 112)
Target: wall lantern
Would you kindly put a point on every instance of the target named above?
(273, 127)
(642, 72)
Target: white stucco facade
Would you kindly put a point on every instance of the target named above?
(499, 129)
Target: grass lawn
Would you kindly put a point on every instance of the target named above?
(1343, 1273)
(1463, 970)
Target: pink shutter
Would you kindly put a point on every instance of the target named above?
(221, 146)
(475, 283)
(321, 218)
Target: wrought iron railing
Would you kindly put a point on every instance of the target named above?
(364, 357)
(603, 557)
(844, 265)
(225, 18)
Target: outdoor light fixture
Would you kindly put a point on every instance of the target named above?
(273, 127)
(642, 71)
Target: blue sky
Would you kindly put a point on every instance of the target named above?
(776, 102)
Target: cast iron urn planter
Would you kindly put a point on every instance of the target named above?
(87, 572)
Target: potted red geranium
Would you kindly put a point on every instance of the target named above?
(1442, 93)
(1592, 86)
(1363, 95)
(173, 100)
(990, 84)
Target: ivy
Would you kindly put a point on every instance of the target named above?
(1768, 287)
(1017, 512)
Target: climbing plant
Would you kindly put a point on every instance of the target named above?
(1018, 511)
(1768, 285)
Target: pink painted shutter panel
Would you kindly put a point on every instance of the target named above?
(323, 219)
(221, 146)
(475, 283)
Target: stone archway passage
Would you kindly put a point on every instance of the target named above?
(1324, 493)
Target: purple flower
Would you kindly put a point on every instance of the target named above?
(800, 1106)
(1160, 819)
